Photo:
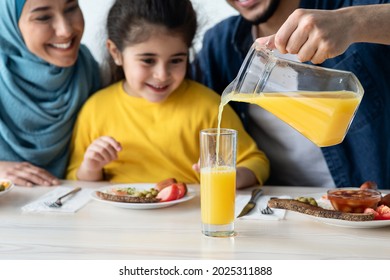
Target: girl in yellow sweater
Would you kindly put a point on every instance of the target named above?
(145, 126)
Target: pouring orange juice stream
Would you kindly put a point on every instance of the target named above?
(321, 116)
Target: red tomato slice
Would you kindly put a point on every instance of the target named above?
(376, 214)
(382, 212)
(383, 209)
(168, 193)
(182, 190)
(386, 216)
(165, 183)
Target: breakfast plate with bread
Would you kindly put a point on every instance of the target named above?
(325, 203)
(144, 195)
(344, 207)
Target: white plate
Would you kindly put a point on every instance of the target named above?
(342, 223)
(7, 189)
(190, 195)
(350, 224)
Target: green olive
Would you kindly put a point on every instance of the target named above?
(307, 200)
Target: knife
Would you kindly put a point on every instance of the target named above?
(252, 202)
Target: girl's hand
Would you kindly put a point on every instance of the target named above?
(27, 174)
(245, 177)
(196, 166)
(101, 152)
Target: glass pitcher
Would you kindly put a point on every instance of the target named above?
(318, 102)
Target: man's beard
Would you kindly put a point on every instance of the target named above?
(267, 14)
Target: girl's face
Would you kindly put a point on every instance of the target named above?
(153, 68)
(52, 30)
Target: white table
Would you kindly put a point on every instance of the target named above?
(99, 231)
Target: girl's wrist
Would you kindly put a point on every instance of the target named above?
(89, 174)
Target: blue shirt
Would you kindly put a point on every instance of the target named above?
(365, 152)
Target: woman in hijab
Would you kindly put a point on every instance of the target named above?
(45, 77)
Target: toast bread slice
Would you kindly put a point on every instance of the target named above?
(301, 207)
(126, 198)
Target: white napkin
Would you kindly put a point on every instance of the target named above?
(255, 214)
(70, 204)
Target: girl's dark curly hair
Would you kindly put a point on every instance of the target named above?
(131, 22)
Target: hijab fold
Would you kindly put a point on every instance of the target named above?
(39, 102)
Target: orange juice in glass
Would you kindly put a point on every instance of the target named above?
(218, 181)
(218, 185)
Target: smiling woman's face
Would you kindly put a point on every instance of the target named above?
(52, 30)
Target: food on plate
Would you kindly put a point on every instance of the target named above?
(369, 185)
(166, 190)
(358, 204)
(372, 185)
(385, 200)
(4, 185)
(165, 183)
(129, 195)
(172, 192)
(182, 189)
(308, 200)
(382, 212)
(301, 207)
(168, 193)
(353, 200)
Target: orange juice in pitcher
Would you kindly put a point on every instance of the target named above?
(322, 117)
(318, 102)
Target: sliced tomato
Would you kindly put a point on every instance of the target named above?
(182, 190)
(168, 193)
(383, 209)
(385, 216)
(165, 183)
(376, 214)
(382, 212)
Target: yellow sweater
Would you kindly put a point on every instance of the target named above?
(159, 140)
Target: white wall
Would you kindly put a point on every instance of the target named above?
(95, 12)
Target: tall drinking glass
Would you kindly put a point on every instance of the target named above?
(218, 181)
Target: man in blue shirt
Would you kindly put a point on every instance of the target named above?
(365, 152)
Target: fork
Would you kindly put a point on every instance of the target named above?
(267, 210)
(58, 202)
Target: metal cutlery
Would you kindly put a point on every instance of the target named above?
(252, 202)
(58, 202)
(267, 210)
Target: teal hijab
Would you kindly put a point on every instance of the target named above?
(39, 102)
